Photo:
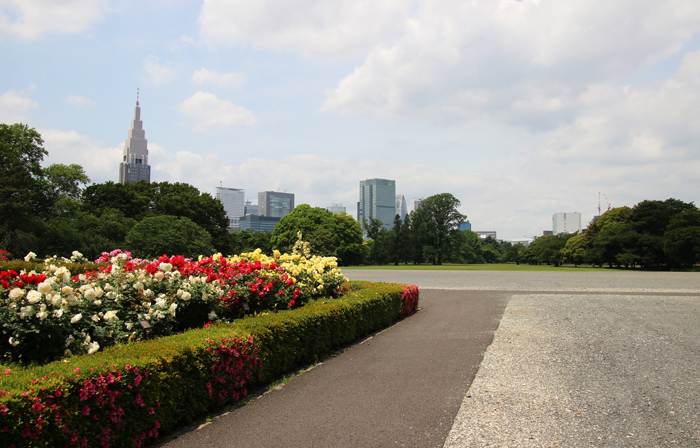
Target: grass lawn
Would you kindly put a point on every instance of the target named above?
(478, 267)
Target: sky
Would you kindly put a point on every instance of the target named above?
(520, 109)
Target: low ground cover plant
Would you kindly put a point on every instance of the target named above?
(129, 394)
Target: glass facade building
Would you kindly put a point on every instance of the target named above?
(377, 200)
(275, 204)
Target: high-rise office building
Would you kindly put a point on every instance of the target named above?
(377, 200)
(401, 208)
(250, 208)
(566, 223)
(134, 165)
(233, 200)
(415, 204)
(336, 208)
(275, 204)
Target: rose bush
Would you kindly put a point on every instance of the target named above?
(51, 314)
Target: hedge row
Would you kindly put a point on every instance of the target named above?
(129, 394)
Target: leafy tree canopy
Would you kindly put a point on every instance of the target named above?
(167, 234)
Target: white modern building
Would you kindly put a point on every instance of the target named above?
(336, 208)
(134, 165)
(415, 203)
(234, 204)
(401, 207)
(377, 200)
(566, 223)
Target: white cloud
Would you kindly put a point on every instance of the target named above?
(312, 28)
(31, 19)
(100, 163)
(205, 76)
(523, 63)
(78, 101)
(209, 112)
(15, 105)
(159, 74)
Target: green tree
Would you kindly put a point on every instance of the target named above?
(350, 247)
(304, 219)
(374, 228)
(244, 241)
(396, 241)
(169, 235)
(21, 154)
(442, 210)
(575, 249)
(682, 239)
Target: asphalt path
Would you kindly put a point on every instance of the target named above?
(579, 359)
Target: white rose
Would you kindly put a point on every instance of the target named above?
(29, 256)
(99, 292)
(166, 267)
(63, 273)
(42, 315)
(76, 318)
(89, 294)
(172, 308)
(186, 296)
(111, 315)
(147, 293)
(44, 287)
(26, 311)
(108, 287)
(93, 347)
(16, 294)
(97, 302)
(58, 313)
(33, 296)
(67, 290)
(95, 318)
(128, 325)
(212, 315)
(161, 303)
(138, 285)
(13, 342)
(158, 275)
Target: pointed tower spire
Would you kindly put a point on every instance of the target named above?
(134, 166)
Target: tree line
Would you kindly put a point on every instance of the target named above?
(651, 235)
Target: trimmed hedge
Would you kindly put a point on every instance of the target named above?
(128, 394)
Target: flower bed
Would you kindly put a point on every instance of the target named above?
(50, 314)
(127, 395)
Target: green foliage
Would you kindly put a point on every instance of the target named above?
(441, 210)
(21, 177)
(159, 235)
(546, 249)
(243, 241)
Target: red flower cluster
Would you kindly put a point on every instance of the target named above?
(5, 255)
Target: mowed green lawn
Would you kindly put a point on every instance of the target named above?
(476, 267)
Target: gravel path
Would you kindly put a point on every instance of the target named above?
(578, 371)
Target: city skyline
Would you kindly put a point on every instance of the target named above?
(520, 109)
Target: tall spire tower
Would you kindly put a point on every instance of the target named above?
(134, 166)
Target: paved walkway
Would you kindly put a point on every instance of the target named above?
(574, 362)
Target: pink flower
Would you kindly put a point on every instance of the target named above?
(86, 410)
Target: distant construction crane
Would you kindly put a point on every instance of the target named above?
(606, 200)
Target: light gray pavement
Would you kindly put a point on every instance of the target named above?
(577, 368)
(579, 359)
(598, 280)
